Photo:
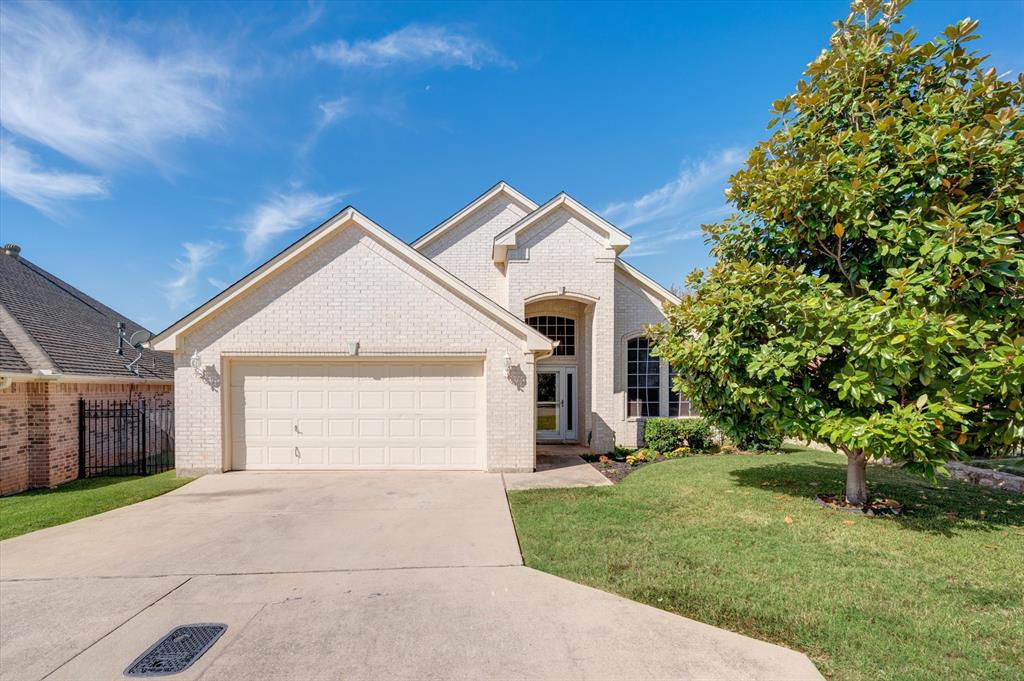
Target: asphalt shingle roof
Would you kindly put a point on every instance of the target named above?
(10, 360)
(76, 331)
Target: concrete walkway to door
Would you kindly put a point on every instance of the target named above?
(337, 575)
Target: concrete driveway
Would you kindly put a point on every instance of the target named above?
(337, 576)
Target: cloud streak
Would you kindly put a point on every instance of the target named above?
(413, 44)
(283, 213)
(23, 179)
(98, 98)
(674, 211)
(196, 258)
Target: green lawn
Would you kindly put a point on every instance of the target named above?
(938, 593)
(36, 509)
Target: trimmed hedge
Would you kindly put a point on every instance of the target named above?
(666, 435)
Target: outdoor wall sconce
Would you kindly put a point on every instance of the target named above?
(508, 365)
(196, 362)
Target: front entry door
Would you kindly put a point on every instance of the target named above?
(556, 403)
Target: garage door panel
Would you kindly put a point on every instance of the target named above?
(403, 414)
(341, 456)
(341, 399)
(371, 399)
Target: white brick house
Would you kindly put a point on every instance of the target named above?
(507, 324)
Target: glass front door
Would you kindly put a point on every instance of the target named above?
(556, 403)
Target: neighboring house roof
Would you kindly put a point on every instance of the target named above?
(55, 329)
(11, 362)
(614, 237)
(654, 286)
(501, 187)
(535, 341)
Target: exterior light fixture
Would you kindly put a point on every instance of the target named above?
(196, 362)
(508, 365)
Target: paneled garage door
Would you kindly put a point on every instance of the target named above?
(357, 414)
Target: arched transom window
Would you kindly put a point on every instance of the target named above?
(561, 329)
(643, 379)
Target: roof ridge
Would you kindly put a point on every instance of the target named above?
(77, 293)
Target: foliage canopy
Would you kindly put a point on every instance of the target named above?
(869, 291)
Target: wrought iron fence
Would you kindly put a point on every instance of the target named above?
(124, 438)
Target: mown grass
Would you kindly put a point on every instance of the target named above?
(36, 509)
(937, 593)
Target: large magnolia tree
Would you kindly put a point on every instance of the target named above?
(869, 291)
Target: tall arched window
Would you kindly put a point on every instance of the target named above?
(561, 329)
(643, 379)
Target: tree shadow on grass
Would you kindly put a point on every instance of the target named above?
(944, 507)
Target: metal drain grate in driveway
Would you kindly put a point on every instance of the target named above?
(176, 651)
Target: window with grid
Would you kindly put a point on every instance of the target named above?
(677, 404)
(561, 329)
(643, 379)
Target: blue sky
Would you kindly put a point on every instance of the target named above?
(153, 152)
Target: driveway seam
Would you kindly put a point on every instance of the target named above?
(190, 575)
(142, 610)
(515, 531)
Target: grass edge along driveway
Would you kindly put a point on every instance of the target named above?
(737, 542)
(40, 508)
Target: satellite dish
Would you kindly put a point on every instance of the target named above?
(139, 337)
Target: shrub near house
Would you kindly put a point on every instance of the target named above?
(669, 434)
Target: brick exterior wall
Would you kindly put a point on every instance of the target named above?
(560, 252)
(465, 249)
(635, 308)
(350, 288)
(39, 423)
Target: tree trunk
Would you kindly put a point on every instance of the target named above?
(856, 483)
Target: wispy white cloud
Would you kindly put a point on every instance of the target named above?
(283, 213)
(414, 44)
(22, 178)
(334, 110)
(674, 211)
(196, 258)
(97, 97)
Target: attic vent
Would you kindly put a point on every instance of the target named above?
(13, 250)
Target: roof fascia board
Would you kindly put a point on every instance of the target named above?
(649, 283)
(615, 238)
(501, 187)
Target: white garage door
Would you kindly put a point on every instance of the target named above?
(357, 414)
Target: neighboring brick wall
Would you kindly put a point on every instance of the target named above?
(351, 288)
(39, 428)
(465, 249)
(14, 441)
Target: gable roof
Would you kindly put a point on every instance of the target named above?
(501, 187)
(167, 339)
(614, 237)
(51, 328)
(652, 285)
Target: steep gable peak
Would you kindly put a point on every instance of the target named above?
(502, 188)
(612, 236)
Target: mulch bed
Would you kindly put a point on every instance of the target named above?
(874, 507)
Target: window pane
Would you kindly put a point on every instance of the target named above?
(561, 329)
(643, 379)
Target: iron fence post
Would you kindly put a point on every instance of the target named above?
(81, 438)
(142, 434)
